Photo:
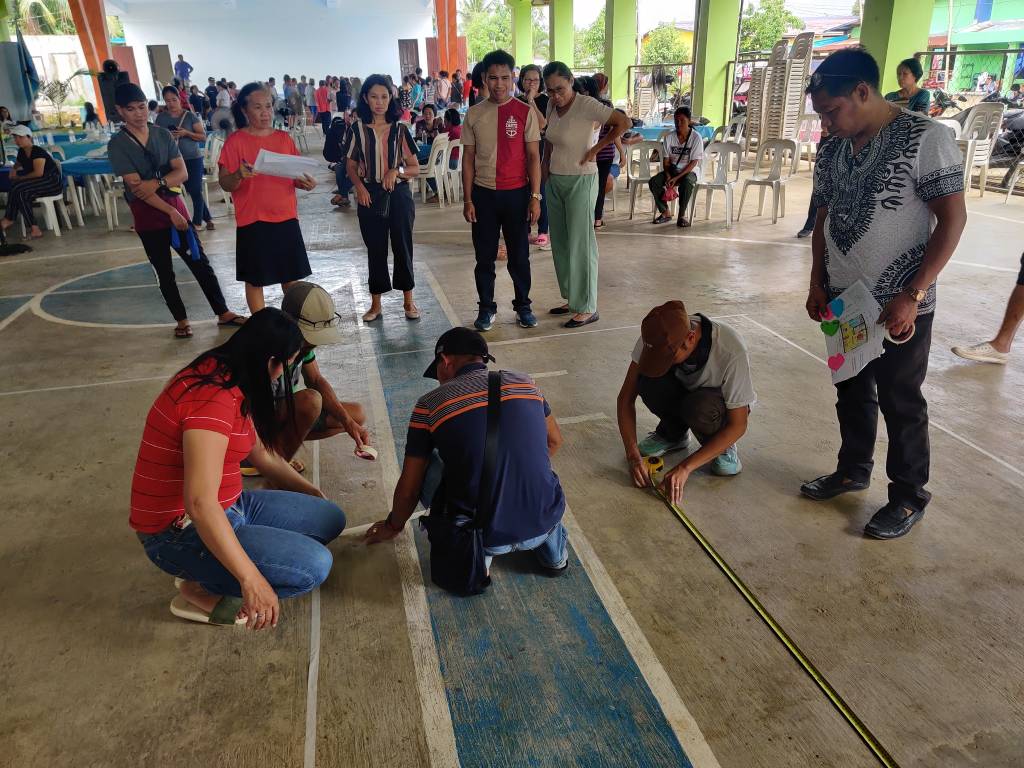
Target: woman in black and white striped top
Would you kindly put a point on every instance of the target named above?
(381, 160)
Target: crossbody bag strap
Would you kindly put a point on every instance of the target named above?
(485, 501)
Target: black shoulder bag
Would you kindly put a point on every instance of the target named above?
(457, 549)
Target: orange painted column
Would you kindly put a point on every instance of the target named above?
(447, 34)
(90, 19)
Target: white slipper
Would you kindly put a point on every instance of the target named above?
(982, 353)
(183, 609)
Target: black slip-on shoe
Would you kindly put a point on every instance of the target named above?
(830, 486)
(892, 521)
(553, 572)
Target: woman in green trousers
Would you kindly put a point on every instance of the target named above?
(570, 176)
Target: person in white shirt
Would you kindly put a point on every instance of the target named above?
(684, 150)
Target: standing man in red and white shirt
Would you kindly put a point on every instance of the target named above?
(501, 175)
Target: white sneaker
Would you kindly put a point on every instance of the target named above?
(982, 353)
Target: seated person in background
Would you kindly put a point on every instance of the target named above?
(91, 119)
(453, 127)
(35, 174)
(693, 374)
(908, 72)
(528, 498)
(428, 126)
(335, 149)
(154, 110)
(1014, 96)
(318, 412)
(684, 150)
(236, 551)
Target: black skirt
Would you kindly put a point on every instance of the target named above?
(270, 253)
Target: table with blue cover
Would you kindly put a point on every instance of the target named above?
(86, 170)
(653, 132)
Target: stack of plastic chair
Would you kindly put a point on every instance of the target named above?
(755, 106)
(978, 139)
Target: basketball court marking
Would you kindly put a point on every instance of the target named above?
(313, 674)
(581, 418)
(682, 723)
(932, 422)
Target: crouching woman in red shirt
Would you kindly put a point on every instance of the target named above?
(235, 551)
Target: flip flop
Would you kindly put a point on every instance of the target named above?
(238, 321)
(183, 333)
(224, 613)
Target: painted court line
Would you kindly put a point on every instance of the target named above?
(678, 716)
(437, 717)
(14, 315)
(546, 374)
(84, 386)
(988, 454)
(313, 675)
(581, 418)
(993, 216)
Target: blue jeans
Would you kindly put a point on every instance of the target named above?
(194, 187)
(551, 548)
(341, 176)
(283, 533)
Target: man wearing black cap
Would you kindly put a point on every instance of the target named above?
(147, 158)
(447, 433)
(693, 374)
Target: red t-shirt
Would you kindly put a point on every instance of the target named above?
(159, 480)
(260, 198)
(323, 103)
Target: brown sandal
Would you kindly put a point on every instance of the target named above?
(183, 333)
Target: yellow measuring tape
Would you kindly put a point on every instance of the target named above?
(654, 467)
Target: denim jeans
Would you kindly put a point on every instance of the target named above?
(551, 548)
(194, 187)
(283, 533)
(341, 176)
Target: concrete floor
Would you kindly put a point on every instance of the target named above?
(922, 636)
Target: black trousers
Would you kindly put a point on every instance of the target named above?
(604, 167)
(681, 409)
(324, 118)
(376, 230)
(891, 383)
(157, 245)
(499, 213)
(687, 185)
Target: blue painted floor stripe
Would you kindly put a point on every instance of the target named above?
(7, 306)
(535, 672)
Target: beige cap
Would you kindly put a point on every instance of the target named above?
(313, 309)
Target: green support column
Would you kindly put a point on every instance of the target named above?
(562, 32)
(893, 30)
(522, 31)
(715, 46)
(619, 45)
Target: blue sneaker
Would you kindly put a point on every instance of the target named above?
(728, 464)
(526, 319)
(484, 320)
(654, 445)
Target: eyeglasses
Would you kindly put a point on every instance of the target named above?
(319, 323)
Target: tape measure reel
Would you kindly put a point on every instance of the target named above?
(655, 465)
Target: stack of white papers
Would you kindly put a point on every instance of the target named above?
(286, 166)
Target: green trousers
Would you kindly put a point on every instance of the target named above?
(686, 186)
(571, 202)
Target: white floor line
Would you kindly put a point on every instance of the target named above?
(547, 374)
(313, 674)
(440, 295)
(437, 718)
(84, 386)
(9, 261)
(983, 266)
(993, 216)
(581, 418)
(14, 315)
(932, 422)
(678, 716)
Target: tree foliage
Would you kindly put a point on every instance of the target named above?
(664, 45)
(589, 44)
(43, 17)
(760, 29)
(59, 91)
(487, 25)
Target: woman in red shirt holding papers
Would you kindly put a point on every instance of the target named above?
(268, 242)
(236, 551)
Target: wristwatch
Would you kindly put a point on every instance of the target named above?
(917, 294)
(536, 195)
(163, 182)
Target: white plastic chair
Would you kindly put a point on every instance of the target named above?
(52, 205)
(639, 169)
(210, 168)
(435, 169)
(113, 188)
(780, 156)
(57, 153)
(453, 176)
(978, 139)
(809, 125)
(719, 173)
(1014, 175)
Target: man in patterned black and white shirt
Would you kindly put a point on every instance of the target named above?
(890, 195)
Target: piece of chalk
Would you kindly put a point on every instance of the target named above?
(367, 452)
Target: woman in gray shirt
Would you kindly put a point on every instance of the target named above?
(187, 129)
